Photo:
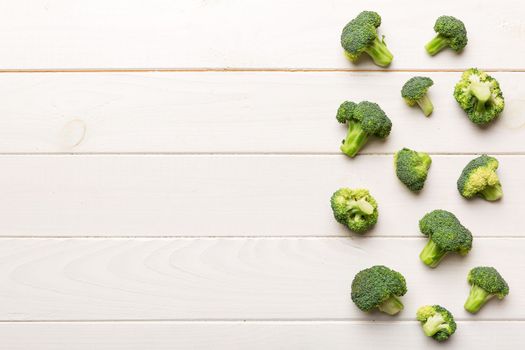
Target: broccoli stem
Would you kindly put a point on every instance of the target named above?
(426, 105)
(431, 255)
(492, 193)
(360, 206)
(434, 324)
(355, 139)
(437, 44)
(379, 53)
(391, 306)
(476, 299)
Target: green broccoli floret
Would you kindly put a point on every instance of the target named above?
(479, 178)
(378, 287)
(446, 235)
(437, 322)
(486, 282)
(360, 35)
(451, 32)
(412, 168)
(356, 209)
(480, 96)
(364, 119)
(415, 91)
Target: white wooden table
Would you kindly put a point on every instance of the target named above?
(166, 169)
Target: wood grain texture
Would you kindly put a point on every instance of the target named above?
(254, 335)
(234, 195)
(238, 113)
(188, 33)
(236, 279)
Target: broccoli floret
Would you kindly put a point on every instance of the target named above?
(378, 287)
(446, 235)
(479, 178)
(437, 322)
(486, 282)
(480, 96)
(451, 32)
(412, 168)
(356, 209)
(415, 91)
(360, 35)
(364, 119)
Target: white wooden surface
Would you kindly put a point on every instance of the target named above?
(127, 34)
(234, 195)
(166, 169)
(238, 112)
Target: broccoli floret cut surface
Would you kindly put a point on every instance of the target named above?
(412, 168)
(437, 322)
(479, 178)
(446, 235)
(354, 208)
(480, 96)
(360, 36)
(415, 92)
(451, 32)
(486, 283)
(364, 119)
(378, 287)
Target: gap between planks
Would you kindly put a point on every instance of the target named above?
(247, 154)
(246, 321)
(242, 69)
(265, 237)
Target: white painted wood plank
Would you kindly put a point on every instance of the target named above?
(236, 279)
(186, 33)
(254, 335)
(237, 113)
(234, 195)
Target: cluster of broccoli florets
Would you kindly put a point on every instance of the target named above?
(479, 95)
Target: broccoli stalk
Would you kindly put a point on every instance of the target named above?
(360, 207)
(355, 139)
(437, 44)
(492, 193)
(391, 306)
(379, 52)
(476, 299)
(435, 324)
(426, 105)
(432, 254)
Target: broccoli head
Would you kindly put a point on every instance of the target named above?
(479, 178)
(378, 287)
(485, 282)
(446, 235)
(356, 209)
(412, 168)
(364, 119)
(437, 322)
(415, 91)
(360, 35)
(480, 96)
(451, 32)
